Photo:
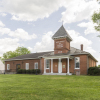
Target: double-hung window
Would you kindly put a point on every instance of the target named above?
(27, 66)
(8, 66)
(36, 65)
(47, 63)
(77, 62)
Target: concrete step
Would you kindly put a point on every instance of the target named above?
(57, 74)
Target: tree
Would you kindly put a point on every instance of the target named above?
(19, 51)
(96, 18)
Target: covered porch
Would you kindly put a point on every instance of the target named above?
(58, 65)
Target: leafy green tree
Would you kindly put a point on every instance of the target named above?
(19, 51)
(96, 18)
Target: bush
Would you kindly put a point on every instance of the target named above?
(27, 71)
(94, 71)
(24, 71)
(19, 71)
(38, 71)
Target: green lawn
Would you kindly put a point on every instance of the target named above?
(41, 87)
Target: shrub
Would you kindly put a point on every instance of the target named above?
(19, 71)
(27, 71)
(38, 71)
(33, 71)
(23, 71)
(94, 71)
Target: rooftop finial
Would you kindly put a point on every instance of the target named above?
(62, 22)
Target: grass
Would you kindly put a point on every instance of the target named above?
(41, 87)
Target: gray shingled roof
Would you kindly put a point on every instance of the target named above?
(73, 51)
(61, 33)
(28, 56)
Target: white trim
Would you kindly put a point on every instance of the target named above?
(20, 59)
(77, 68)
(57, 57)
(68, 66)
(44, 65)
(27, 66)
(8, 66)
(51, 65)
(75, 63)
(47, 68)
(60, 66)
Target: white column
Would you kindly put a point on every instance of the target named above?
(44, 65)
(68, 65)
(59, 65)
(51, 65)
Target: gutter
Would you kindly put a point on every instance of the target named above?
(19, 59)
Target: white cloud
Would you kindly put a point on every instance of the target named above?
(78, 10)
(8, 44)
(46, 44)
(4, 30)
(78, 40)
(1, 24)
(90, 27)
(30, 10)
(22, 34)
(19, 33)
(31, 49)
(3, 14)
(98, 58)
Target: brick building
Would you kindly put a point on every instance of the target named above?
(63, 60)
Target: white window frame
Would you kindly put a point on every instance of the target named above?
(36, 63)
(75, 62)
(47, 63)
(27, 66)
(8, 66)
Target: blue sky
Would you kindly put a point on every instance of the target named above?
(31, 23)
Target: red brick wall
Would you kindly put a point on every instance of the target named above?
(83, 64)
(22, 63)
(92, 63)
(63, 48)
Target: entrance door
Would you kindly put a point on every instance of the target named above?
(18, 66)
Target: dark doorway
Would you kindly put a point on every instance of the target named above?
(18, 66)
